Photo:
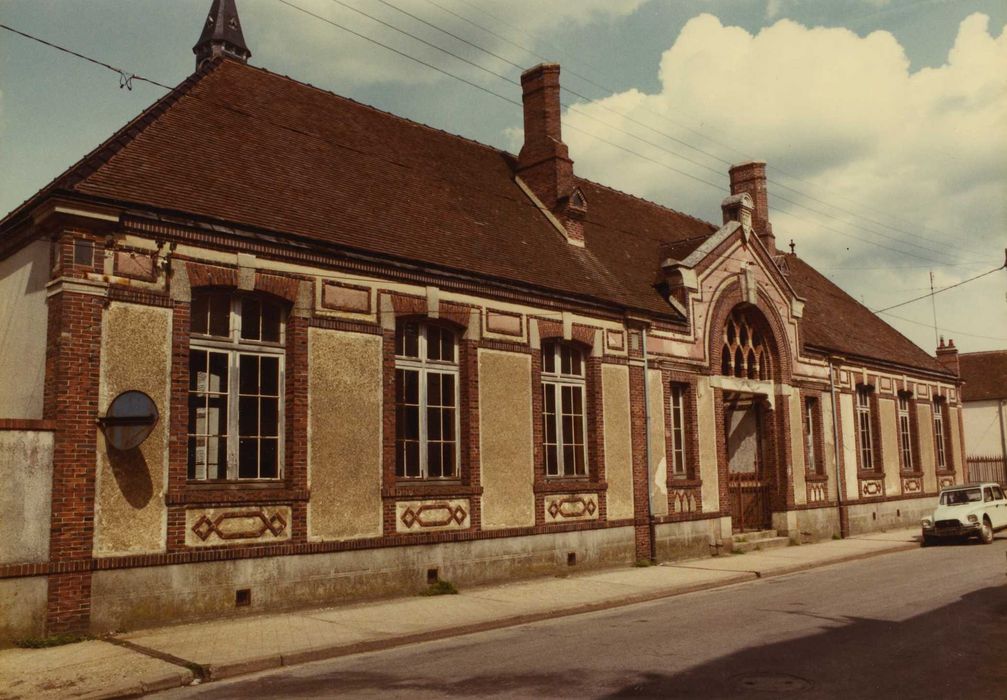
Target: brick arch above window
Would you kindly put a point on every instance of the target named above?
(727, 303)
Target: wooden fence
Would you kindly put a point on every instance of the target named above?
(987, 468)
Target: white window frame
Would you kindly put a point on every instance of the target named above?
(905, 433)
(811, 456)
(554, 382)
(865, 433)
(424, 368)
(940, 449)
(679, 456)
(235, 346)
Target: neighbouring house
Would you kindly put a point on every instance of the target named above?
(984, 413)
(364, 354)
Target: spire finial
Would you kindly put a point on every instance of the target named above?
(221, 35)
(793, 246)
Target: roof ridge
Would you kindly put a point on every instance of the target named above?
(983, 352)
(106, 150)
(652, 203)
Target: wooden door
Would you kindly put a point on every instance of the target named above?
(747, 482)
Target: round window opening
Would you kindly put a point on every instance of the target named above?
(130, 419)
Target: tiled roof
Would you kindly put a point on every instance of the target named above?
(985, 375)
(836, 321)
(242, 146)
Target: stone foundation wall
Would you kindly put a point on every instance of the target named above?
(136, 598)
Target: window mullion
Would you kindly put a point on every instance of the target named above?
(232, 414)
(423, 423)
(560, 435)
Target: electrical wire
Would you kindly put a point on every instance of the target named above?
(946, 330)
(942, 289)
(610, 90)
(594, 136)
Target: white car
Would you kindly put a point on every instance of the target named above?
(971, 510)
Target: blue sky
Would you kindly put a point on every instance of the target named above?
(884, 123)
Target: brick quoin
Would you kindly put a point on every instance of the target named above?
(73, 357)
(643, 529)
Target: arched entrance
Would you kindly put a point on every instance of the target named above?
(749, 363)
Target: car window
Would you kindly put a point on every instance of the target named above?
(987, 494)
(960, 497)
(998, 493)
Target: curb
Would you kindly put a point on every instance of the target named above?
(212, 672)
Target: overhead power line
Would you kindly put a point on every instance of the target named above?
(941, 240)
(611, 143)
(942, 289)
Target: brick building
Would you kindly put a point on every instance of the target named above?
(379, 352)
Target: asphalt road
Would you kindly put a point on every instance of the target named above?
(926, 623)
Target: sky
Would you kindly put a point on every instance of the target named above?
(883, 122)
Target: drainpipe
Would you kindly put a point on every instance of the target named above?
(844, 526)
(646, 432)
(1003, 428)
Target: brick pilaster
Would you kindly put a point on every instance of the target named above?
(73, 356)
(643, 526)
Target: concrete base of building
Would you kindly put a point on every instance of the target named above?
(889, 515)
(691, 539)
(125, 599)
(22, 608)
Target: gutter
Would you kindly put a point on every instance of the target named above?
(646, 442)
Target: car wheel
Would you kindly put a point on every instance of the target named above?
(928, 541)
(986, 533)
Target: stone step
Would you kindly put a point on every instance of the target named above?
(760, 544)
(753, 535)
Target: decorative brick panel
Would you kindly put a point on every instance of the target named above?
(209, 527)
(346, 297)
(571, 506)
(432, 516)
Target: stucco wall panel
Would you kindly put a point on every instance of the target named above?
(925, 434)
(130, 513)
(984, 427)
(25, 499)
(706, 420)
(505, 434)
(344, 434)
(889, 446)
(847, 421)
(23, 316)
(618, 445)
(828, 439)
(658, 440)
(797, 449)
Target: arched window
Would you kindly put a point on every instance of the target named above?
(745, 352)
(426, 401)
(236, 354)
(564, 415)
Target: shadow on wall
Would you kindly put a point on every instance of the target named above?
(132, 475)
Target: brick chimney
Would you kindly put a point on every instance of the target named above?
(751, 178)
(947, 355)
(544, 162)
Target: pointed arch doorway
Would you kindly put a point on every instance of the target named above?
(748, 367)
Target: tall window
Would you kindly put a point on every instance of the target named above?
(810, 413)
(905, 433)
(426, 401)
(864, 428)
(563, 415)
(942, 461)
(678, 431)
(236, 357)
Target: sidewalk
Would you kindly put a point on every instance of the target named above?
(144, 661)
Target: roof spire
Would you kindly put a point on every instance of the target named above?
(221, 35)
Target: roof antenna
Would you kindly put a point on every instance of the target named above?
(933, 305)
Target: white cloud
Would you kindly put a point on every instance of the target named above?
(924, 152)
